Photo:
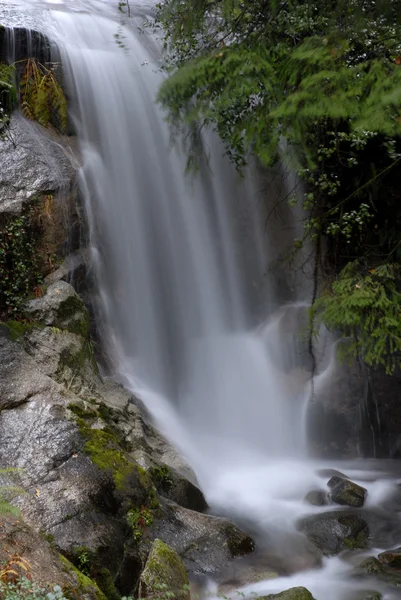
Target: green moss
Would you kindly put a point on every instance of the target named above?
(131, 481)
(17, 329)
(164, 569)
(82, 412)
(85, 584)
(162, 477)
(296, 593)
(105, 582)
(73, 316)
(358, 541)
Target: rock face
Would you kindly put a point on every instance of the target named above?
(164, 568)
(32, 163)
(345, 492)
(333, 532)
(44, 565)
(93, 467)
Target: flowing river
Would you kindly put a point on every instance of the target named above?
(198, 314)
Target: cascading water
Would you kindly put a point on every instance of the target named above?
(186, 308)
(169, 255)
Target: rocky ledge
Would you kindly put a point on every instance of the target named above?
(100, 484)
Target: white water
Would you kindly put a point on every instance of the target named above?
(190, 319)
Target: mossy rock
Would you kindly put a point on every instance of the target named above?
(61, 307)
(85, 585)
(296, 593)
(164, 573)
(346, 492)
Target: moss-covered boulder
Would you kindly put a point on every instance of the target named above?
(346, 492)
(60, 307)
(164, 571)
(296, 593)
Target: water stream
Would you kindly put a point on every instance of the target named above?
(192, 317)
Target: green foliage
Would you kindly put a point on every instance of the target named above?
(9, 489)
(19, 267)
(42, 98)
(139, 519)
(25, 589)
(326, 77)
(8, 94)
(365, 305)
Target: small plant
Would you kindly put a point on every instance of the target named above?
(19, 267)
(83, 560)
(25, 589)
(139, 519)
(365, 305)
(41, 96)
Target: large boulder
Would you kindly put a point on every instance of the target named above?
(335, 531)
(205, 543)
(164, 570)
(346, 492)
(93, 467)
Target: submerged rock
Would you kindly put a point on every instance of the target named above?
(333, 532)
(369, 566)
(296, 593)
(317, 498)
(346, 492)
(164, 570)
(391, 558)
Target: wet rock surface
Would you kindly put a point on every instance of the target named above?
(32, 163)
(93, 467)
(335, 531)
(345, 492)
(391, 558)
(205, 543)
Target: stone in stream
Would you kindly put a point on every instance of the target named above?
(335, 531)
(346, 492)
(317, 498)
(296, 593)
(369, 566)
(391, 558)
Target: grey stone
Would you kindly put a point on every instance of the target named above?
(346, 492)
(60, 307)
(335, 531)
(204, 542)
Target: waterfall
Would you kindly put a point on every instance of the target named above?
(176, 256)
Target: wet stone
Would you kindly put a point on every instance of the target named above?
(317, 498)
(391, 558)
(346, 492)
